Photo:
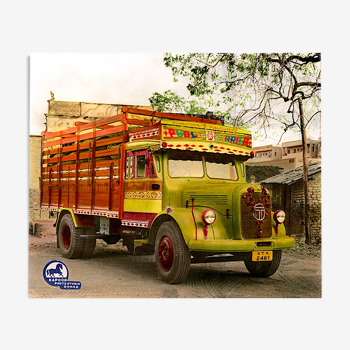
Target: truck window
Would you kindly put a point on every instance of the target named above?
(192, 166)
(157, 164)
(221, 168)
(129, 173)
(141, 166)
(243, 169)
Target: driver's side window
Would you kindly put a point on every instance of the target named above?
(141, 163)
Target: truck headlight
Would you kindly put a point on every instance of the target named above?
(208, 216)
(279, 216)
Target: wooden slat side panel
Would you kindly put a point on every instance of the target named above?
(85, 145)
(90, 135)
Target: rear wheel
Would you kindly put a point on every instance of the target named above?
(264, 269)
(69, 240)
(172, 255)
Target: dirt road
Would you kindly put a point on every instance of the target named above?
(113, 273)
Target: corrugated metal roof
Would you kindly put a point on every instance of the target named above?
(291, 176)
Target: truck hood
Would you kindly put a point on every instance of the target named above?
(221, 197)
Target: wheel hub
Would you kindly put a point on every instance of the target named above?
(166, 253)
(66, 237)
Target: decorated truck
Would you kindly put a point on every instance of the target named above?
(166, 184)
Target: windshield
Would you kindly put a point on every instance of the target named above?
(192, 166)
(217, 170)
(220, 167)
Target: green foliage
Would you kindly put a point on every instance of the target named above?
(170, 102)
(248, 89)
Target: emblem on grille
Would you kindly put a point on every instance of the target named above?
(259, 212)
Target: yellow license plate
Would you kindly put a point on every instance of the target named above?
(262, 256)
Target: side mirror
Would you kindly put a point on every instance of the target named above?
(141, 161)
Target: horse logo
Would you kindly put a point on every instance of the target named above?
(58, 269)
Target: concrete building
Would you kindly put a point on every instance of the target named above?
(63, 114)
(34, 178)
(288, 156)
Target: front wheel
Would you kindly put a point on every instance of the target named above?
(173, 258)
(264, 269)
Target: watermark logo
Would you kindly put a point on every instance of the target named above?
(56, 274)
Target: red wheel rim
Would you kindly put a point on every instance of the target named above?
(166, 253)
(66, 237)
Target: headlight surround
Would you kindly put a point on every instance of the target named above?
(208, 217)
(279, 216)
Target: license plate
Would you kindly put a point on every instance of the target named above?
(262, 256)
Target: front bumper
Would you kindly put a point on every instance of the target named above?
(230, 245)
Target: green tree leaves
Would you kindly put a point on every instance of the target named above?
(250, 88)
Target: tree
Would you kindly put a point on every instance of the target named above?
(256, 90)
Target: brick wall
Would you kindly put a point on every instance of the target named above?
(297, 194)
(280, 200)
(34, 176)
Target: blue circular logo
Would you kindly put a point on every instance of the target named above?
(55, 273)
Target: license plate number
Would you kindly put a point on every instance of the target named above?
(262, 256)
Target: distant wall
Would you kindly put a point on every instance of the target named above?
(283, 197)
(34, 178)
(297, 194)
(63, 114)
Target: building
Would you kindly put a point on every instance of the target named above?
(287, 192)
(34, 178)
(63, 114)
(288, 156)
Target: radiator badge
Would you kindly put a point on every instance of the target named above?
(259, 212)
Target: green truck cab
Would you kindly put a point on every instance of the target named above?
(208, 211)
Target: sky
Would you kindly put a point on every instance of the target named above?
(112, 78)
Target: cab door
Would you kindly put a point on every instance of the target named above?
(142, 188)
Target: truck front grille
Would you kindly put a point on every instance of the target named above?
(249, 224)
(207, 198)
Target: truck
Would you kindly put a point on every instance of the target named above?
(167, 184)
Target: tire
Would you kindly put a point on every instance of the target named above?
(264, 269)
(173, 258)
(69, 240)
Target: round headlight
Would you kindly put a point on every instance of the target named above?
(208, 216)
(279, 216)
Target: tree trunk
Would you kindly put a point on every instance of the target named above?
(305, 175)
